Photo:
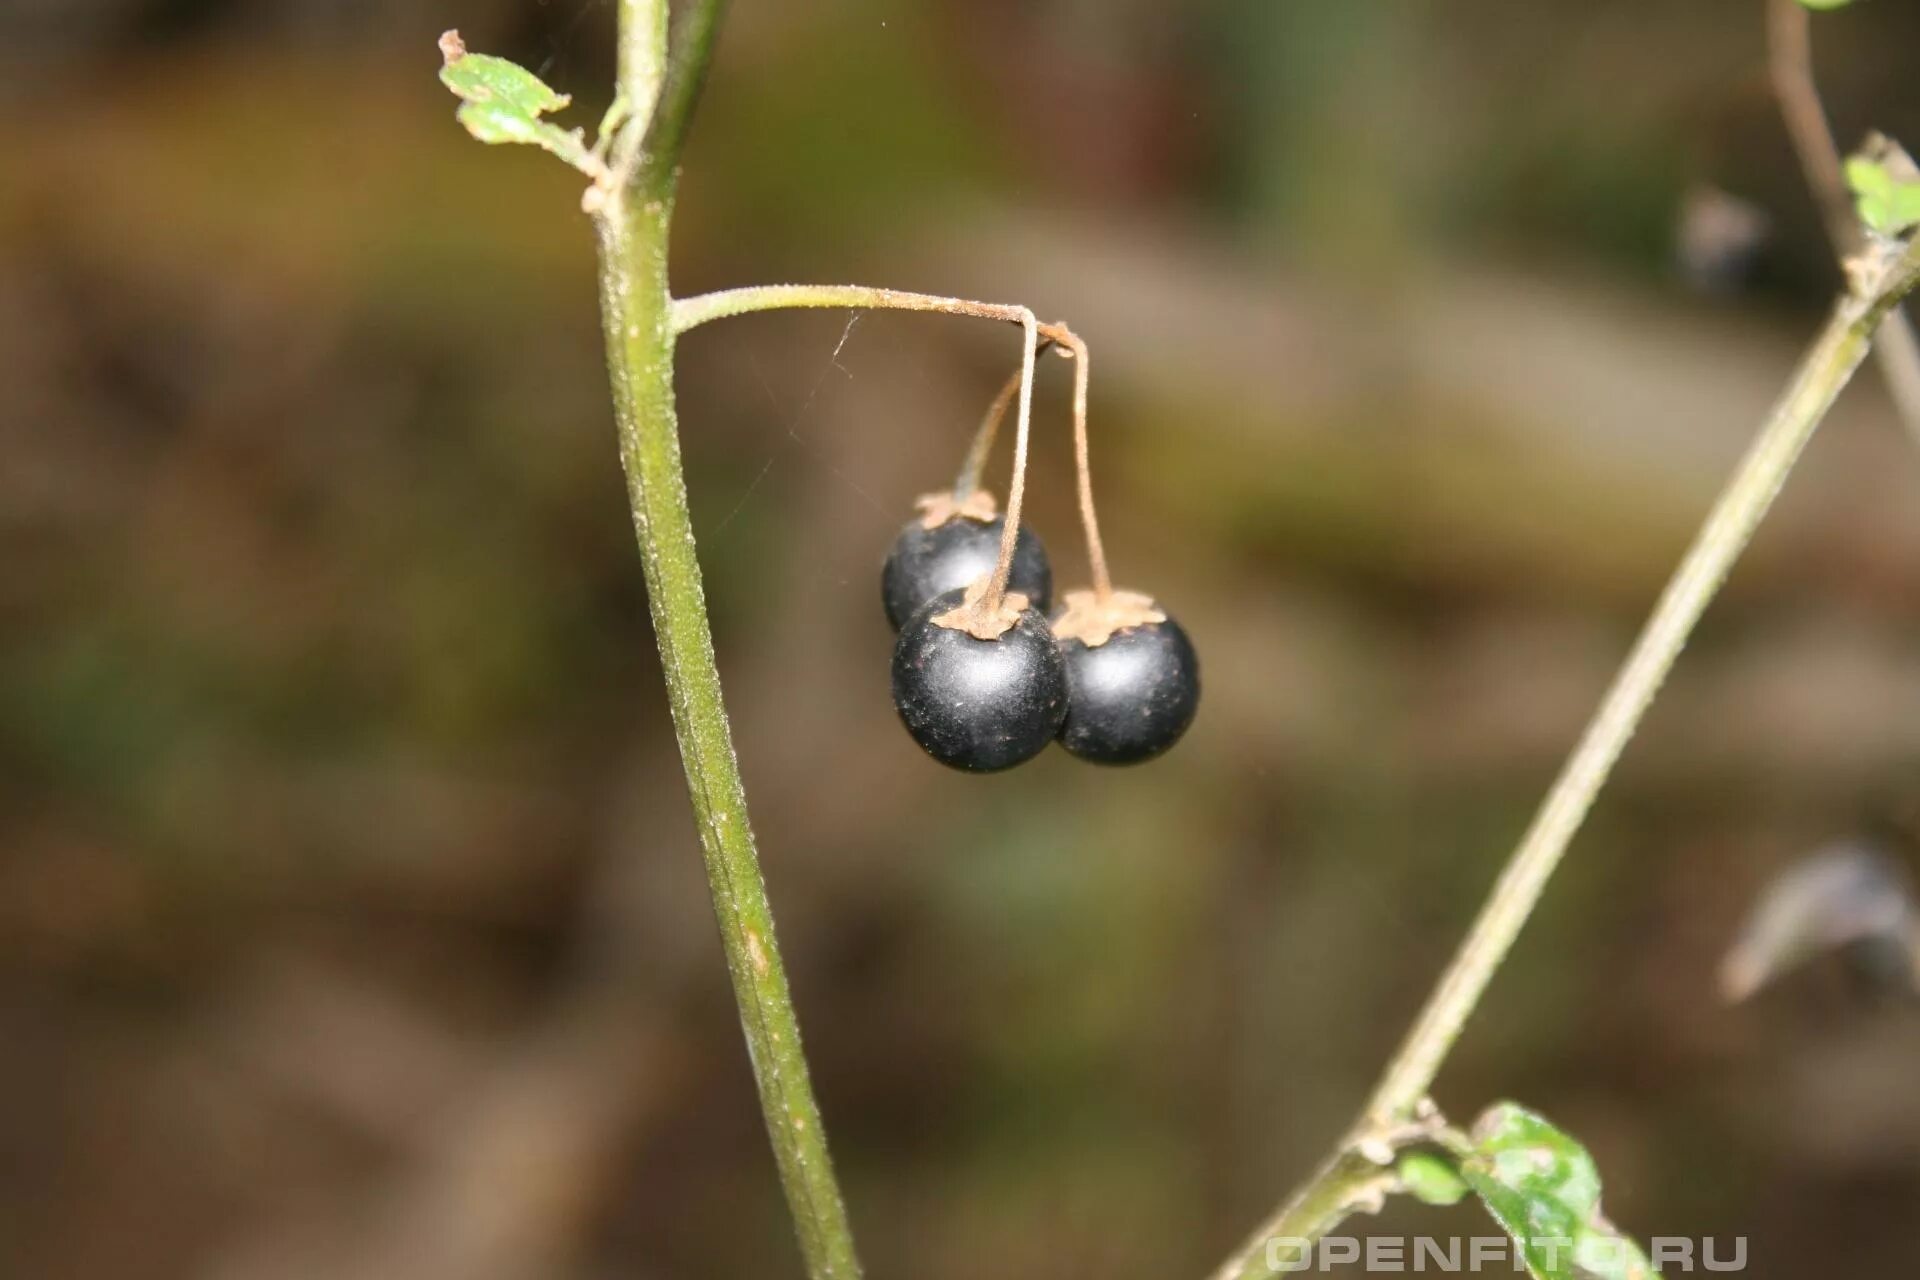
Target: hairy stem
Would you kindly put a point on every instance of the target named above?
(690, 313)
(642, 56)
(1790, 65)
(1400, 1097)
(637, 313)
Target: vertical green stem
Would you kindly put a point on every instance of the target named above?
(637, 313)
(642, 55)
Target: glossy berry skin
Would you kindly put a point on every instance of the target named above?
(926, 562)
(1131, 698)
(979, 705)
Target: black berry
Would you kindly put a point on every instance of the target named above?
(979, 705)
(1131, 697)
(927, 562)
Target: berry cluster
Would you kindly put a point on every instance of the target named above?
(983, 679)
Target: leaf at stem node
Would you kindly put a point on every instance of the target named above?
(503, 102)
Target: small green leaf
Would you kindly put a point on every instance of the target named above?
(1542, 1187)
(1826, 4)
(502, 101)
(1431, 1179)
(1889, 204)
(480, 77)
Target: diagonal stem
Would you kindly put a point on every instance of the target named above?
(1728, 529)
(1340, 1188)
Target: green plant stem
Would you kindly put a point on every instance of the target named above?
(1348, 1183)
(642, 55)
(637, 312)
(691, 53)
(1825, 370)
(1332, 1193)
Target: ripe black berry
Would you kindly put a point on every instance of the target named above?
(927, 562)
(1130, 696)
(979, 705)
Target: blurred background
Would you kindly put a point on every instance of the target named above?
(351, 918)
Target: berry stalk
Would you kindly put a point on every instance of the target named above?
(1089, 520)
(975, 465)
(985, 616)
(990, 604)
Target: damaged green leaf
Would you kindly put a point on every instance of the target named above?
(1886, 187)
(502, 101)
(1543, 1188)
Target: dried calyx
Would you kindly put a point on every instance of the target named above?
(937, 509)
(981, 618)
(1093, 618)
